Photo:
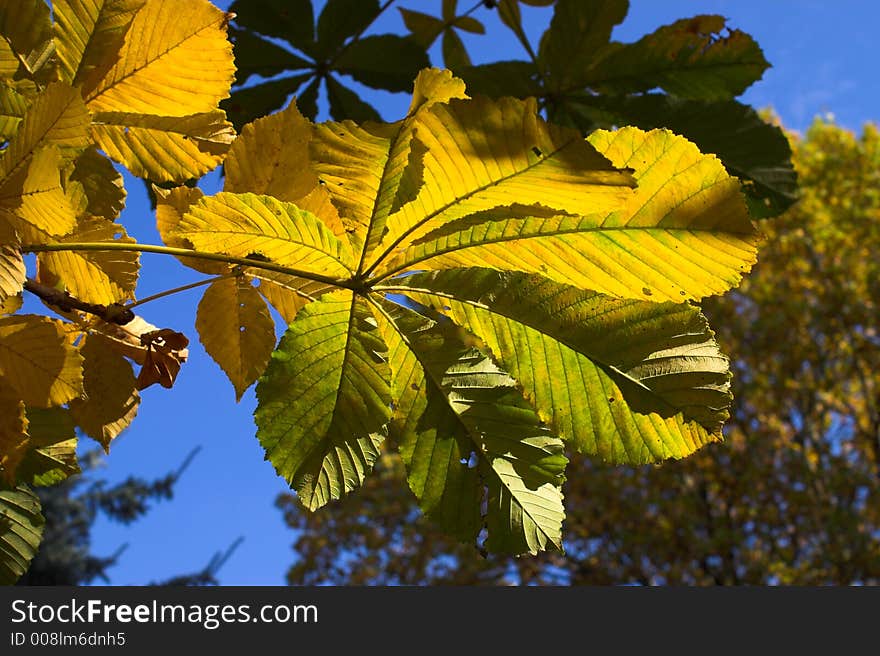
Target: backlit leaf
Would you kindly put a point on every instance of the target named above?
(21, 530)
(37, 363)
(175, 61)
(243, 225)
(288, 294)
(12, 272)
(52, 448)
(171, 204)
(271, 156)
(26, 42)
(32, 200)
(483, 154)
(14, 439)
(461, 425)
(88, 32)
(164, 148)
(643, 381)
(364, 168)
(325, 398)
(684, 233)
(102, 277)
(94, 186)
(750, 148)
(110, 401)
(236, 330)
(691, 58)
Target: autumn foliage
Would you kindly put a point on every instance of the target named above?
(490, 283)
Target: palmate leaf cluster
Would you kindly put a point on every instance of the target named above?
(473, 286)
(684, 76)
(135, 81)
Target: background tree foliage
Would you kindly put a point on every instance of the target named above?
(788, 498)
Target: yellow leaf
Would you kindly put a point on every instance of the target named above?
(247, 225)
(94, 186)
(111, 401)
(102, 277)
(12, 272)
(8, 61)
(89, 32)
(164, 148)
(288, 294)
(13, 436)
(685, 232)
(36, 362)
(51, 455)
(236, 330)
(175, 61)
(56, 116)
(10, 305)
(171, 204)
(271, 157)
(435, 85)
(13, 103)
(484, 154)
(53, 131)
(33, 201)
(26, 41)
(372, 170)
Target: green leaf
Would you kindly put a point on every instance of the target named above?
(385, 61)
(462, 424)
(454, 54)
(505, 78)
(691, 58)
(307, 100)
(347, 104)
(578, 32)
(750, 148)
(291, 20)
(643, 382)
(246, 105)
(21, 530)
(341, 19)
(52, 455)
(434, 442)
(256, 56)
(325, 398)
(423, 28)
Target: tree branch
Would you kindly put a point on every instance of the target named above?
(113, 313)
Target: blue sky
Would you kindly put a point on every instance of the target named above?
(824, 61)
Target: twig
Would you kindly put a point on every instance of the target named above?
(114, 313)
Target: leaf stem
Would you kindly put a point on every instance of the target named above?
(182, 288)
(186, 252)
